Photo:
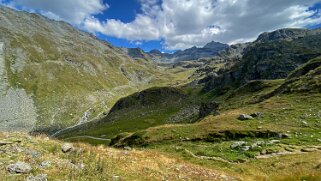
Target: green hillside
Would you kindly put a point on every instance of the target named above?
(67, 76)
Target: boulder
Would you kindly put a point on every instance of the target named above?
(67, 147)
(210, 108)
(282, 135)
(244, 117)
(19, 167)
(309, 149)
(273, 142)
(238, 144)
(45, 164)
(257, 144)
(245, 148)
(127, 148)
(256, 115)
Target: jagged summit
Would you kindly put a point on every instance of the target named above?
(215, 45)
(286, 34)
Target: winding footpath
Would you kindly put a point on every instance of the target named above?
(90, 137)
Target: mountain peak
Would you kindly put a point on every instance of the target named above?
(155, 51)
(214, 44)
(282, 34)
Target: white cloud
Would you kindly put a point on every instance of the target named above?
(182, 24)
(185, 23)
(73, 11)
(142, 28)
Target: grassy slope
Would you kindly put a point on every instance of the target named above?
(69, 72)
(99, 163)
(282, 114)
(159, 106)
(296, 113)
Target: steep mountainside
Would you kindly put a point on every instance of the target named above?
(54, 76)
(272, 56)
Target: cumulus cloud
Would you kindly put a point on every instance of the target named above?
(73, 11)
(185, 23)
(182, 24)
(142, 28)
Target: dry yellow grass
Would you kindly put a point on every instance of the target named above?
(100, 163)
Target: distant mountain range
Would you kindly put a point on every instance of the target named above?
(209, 50)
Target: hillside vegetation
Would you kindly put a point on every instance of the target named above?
(64, 76)
(249, 111)
(268, 127)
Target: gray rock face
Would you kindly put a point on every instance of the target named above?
(17, 110)
(244, 117)
(209, 109)
(67, 147)
(19, 167)
(282, 34)
(210, 50)
(238, 144)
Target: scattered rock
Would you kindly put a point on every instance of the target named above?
(241, 160)
(273, 142)
(309, 149)
(305, 123)
(210, 108)
(67, 147)
(257, 144)
(256, 115)
(263, 152)
(33, 153)
(282, 135)
(245, 148)
(244, 117)
(5, 143)
(127, 148)
(271, 151)
(238, 144)
(318, 166)
(319, 140)
(45, 164)
(115, 177)
(40, 177)
(19, 167)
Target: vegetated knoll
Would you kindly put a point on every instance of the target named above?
(63, 76)
(151, 107)
(270, 58)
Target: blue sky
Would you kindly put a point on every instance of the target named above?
(170, 25)
(125, 11)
